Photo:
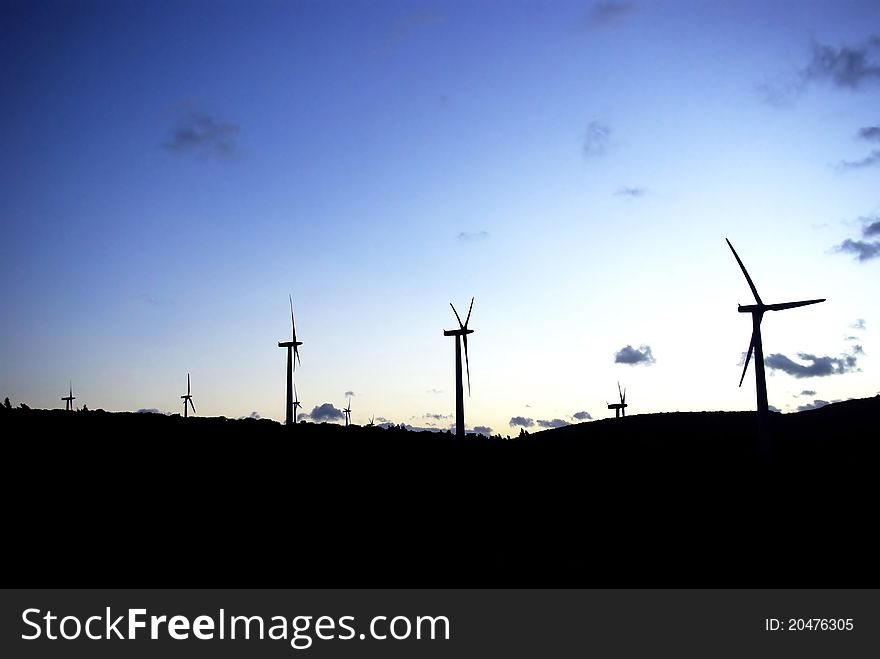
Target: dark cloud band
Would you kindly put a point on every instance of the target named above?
(205, 136)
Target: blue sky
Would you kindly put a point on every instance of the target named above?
(172, 171)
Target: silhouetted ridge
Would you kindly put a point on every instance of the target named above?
(665, 500)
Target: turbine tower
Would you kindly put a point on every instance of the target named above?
(347, 412)
(460, 337)
(757, 310)
(69, 398)
(188, 398)
(292, 349)
(619, 408)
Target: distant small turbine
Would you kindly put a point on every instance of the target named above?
(371, 424)
(296, 402)
(292, 349)
(69, 398)
(757, 311)
(347, 412)
(619, 408)
(460, 336)
(188, 398)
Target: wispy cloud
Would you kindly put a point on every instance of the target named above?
(434, 391)
(816, 366)
(807, 392)
(859, 324)
(469, 237)
(205, 136)
(872, 228)
(523, 421)
(871, 159)
(552, 423)
(436, 416)
(326, 412)
(870, 133)
(597, 139)
(582, 416)
(781, 92)
(631, 193)
(863, 250)
(845, 67)
(633, 356)
(604, 13)
(483, 430)
(815, 405)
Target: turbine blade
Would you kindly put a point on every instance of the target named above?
(295, 397)
(191, 405)
(748, 358)
(623, 398)
(745, 272)
(471, 308)
(456, 316)
(792, 305)
(466, 363)
(292, 322)
(187, 384)
(296, 354)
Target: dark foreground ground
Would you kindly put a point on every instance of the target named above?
(670, 500)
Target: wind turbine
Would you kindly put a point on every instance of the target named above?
(460, 336)
(296, 402)
(619, 408)
(757, 310)
(69, 398)
(292, 349)
(188, 398)
(347, 412)
(371, 424)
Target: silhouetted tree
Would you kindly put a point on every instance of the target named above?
(6, 404)
(85, 408)
(24, 406)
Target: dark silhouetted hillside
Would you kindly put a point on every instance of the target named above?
(678, 499)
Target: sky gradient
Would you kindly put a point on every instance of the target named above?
(171, 171)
